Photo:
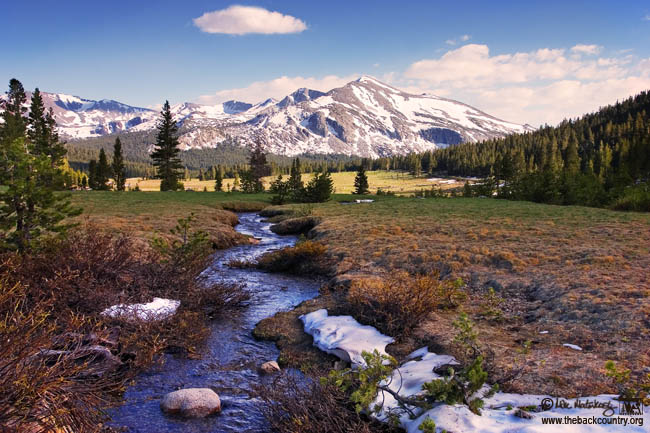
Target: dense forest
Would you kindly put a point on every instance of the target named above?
(600, 159)
(230, 156)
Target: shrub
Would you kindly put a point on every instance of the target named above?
(398, 302)
(635, 198)
(311, 406)
(305, 257)
(44, 389)
(292, 226)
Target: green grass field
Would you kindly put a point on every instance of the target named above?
(395, 181)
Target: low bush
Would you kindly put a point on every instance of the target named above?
(294, 226)
(306, 257)
(399, 302)
(310, 406)
(635, 198)
(44, 388)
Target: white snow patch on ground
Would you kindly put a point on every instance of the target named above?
(572, 346)
(343, 336)
(346, 338)
(157, 309)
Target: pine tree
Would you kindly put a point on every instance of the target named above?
(319, 189)
(15, 124)
(295, 184)
(103, 171)
(218, 181)
(166, 150)
(29, 206)
(119, 171)
(361, 181)
(42, 132)
(92, 174)
(259, 168)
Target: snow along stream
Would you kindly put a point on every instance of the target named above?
(344, 337)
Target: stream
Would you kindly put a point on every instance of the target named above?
(231, 356)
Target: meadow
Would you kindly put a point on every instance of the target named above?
(579, 273)
(398, 182)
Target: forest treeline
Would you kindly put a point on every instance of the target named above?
(600, 159)
(229, 156)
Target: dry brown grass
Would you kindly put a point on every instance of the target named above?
(579, 273)
(396, 303)
(62, 360)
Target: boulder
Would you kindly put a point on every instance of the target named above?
(191, 402)
(270, 367)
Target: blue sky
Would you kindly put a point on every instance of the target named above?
(487, 54)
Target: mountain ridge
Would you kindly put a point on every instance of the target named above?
(365, 117)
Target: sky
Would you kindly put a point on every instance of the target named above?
(525, 61)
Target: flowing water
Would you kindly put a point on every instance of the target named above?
(231, 358)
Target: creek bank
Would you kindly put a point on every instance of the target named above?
(502, 413)
(229, 361)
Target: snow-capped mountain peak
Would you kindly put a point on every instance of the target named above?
(364, 117)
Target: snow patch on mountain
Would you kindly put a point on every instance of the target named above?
(365, 117)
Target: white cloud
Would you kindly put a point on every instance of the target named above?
(240, 20)
(540, 86)
(586, 49)
(455, 41)
(646, 18)
(259, 91)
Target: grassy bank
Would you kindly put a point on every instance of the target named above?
(578, 273)
(145, 214)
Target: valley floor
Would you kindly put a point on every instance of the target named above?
(561, 275)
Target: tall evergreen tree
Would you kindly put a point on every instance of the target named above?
(259, 168)
(119, 171)
(42, 132)
(15, 123)
(295, 184)
(29, 206)
(166, 150)
(92, 174)
(103, 172)
(361, 181)
(218, 181)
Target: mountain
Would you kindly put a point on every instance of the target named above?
(365, 117)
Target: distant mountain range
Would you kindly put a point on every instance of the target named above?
(365, 118)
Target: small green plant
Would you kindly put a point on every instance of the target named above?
(459, 387)
(467, 336)
(427, 426)
(525, 347)
(492, 306)
(627, 387)
(451, 293)
(365, 380)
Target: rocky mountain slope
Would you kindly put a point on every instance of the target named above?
(365, 117)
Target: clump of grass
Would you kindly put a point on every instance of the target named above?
(243, 206)
(398, 302)
(308, 257)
